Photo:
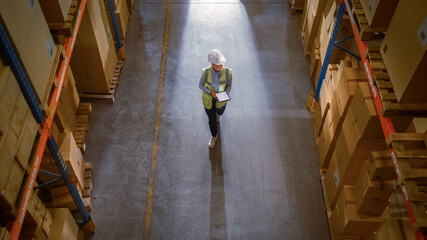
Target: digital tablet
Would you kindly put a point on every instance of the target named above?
(223, 96)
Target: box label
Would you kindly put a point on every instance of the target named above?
(49, 47)
(108, 32)
(422, 33)
(405, 194)
(32, 3)
(396, 167)
(336, 177)
(371, 6)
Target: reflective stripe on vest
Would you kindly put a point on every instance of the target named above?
(207, 79)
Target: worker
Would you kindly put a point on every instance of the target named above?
(215, 79)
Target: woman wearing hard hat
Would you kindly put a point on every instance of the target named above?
(215, 79)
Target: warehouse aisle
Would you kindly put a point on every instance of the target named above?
(260, 182)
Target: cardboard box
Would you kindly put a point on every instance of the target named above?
(371, 207)
(63, 225)
(67, 105)
(72, 157)
(72, 154)
(327, 141)
(26, 140)
(33, 41)
(349, 79)
(352, 149)
(365, 188)
(94, 58)
(365, 114)
(395, 229)
(55, 11)
(380, 166)
(335, 181)
(397, 207)
(353, 224)
(11, 186)
(379, 12)
(404, 51)
(312, 22)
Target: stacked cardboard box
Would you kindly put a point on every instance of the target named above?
(18, 130)
(72, 157)
(33, 41)
(404, 51)
(94, 58)
(310, 22)
(361, 134)
(372, 197)
(346, 223)
(55, 11)
(38, 220)
(335, 97)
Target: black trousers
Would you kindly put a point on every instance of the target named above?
(212, 117)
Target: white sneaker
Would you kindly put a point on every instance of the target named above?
(212, 142)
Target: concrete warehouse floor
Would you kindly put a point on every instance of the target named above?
(262, 179)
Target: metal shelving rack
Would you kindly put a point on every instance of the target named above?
(46, 138)
(386, 123)
(46, 123)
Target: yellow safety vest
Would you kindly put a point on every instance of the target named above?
(207, 78)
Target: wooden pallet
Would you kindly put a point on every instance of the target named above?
(87, 190)
(410, 153)
(83, 114)
(105, 97)
(328, 209)
(365, 32)
(391, 107)
(66, 28)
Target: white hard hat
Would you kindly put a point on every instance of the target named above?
(215, 56)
